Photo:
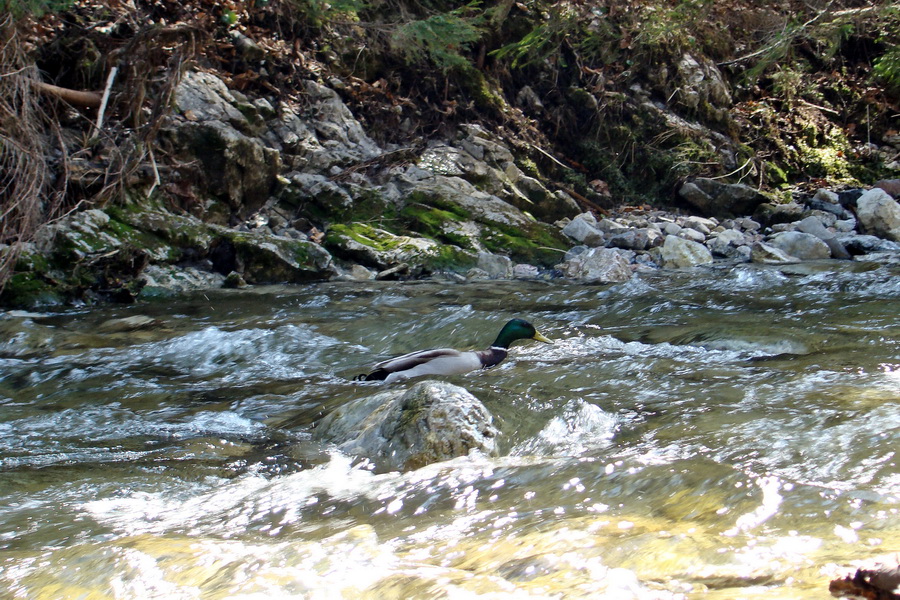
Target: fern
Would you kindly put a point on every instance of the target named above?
(441, 39)
(22, 8)
(887, 67)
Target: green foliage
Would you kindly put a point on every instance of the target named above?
(23, 8)
(668, 30)
(887, 67)
(319, 13)
(441, 38)
(542, 42)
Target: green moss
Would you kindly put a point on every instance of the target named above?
(364, 234)
(433, 222)
(29, 290)
(449, 258)
(537, 244)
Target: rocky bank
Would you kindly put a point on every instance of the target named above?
(292, 194)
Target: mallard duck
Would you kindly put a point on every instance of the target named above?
(447, 361)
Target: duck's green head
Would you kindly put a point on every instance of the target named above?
(518, 329)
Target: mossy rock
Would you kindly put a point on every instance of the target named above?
(538, 244)
(265, 259)
(381, 249)
(30, 290)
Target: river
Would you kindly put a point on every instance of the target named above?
(724, 432)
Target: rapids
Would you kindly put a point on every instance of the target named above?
(723, 432)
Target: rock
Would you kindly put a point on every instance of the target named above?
(891, 186)
(715, 199)
(678, 252)
(814, 226)
(240, 169)
(393, 272)
(317, 189)
(531, 195)
(848, 198)
(726, 243)
(495, 266)
(234, 281)
(128, 324)
(836, 210)
(769, 255)
(692, 234)
(596, 265)
(201, 96)
(671, 229)
(747, 224)
(879, 214)
(770, 214)
(170, 278)
(828, 219)
(826, 196)
(630, 239)
(263, 258)
(407, 429)
(704, 226)
(359, 273)
(377, 248)
(857, 244)
(803, 246)
(583, 229)
(845, 225)
(525, 271)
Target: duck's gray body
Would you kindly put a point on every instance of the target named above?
(440, 361)
(447, 361)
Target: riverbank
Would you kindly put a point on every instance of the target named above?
(461, 208)
(250, 159)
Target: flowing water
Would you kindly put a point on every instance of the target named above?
(729, 432)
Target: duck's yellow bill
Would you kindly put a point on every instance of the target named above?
(541, 338)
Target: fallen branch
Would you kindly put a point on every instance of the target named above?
(74, 97)
(105, 99)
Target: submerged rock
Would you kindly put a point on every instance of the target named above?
(409, 428)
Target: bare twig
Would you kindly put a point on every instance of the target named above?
(102, 111)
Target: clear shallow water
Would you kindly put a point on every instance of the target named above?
(720, 433)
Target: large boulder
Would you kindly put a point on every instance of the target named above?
(801, 245)
(597, 265)
(237, 167)
(409, 428)
(678, 253)
(879, 214)
(716, 199)
(771, 214)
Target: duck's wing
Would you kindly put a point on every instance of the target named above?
(409, 362)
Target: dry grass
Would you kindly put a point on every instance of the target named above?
(30, 192)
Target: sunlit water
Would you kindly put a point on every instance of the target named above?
(717, 433)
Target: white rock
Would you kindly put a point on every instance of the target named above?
(804, 246)
(879, 214)
(597, 265)
(678, 252)
(692, 235)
